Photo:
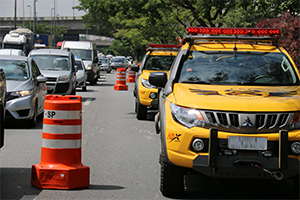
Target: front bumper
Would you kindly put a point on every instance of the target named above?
(215, 160)
(20, 108)
(148, 97)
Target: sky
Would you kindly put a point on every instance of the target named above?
(43, 8)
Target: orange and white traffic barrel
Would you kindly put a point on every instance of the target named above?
(121, 80)
(60, 166)
(131, 76)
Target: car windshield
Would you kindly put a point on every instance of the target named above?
(103, 61)
(15, 69)
(241, 68)
(79, 65)
(159, 62)
(82, 54)
(116, 60)
(52, 62)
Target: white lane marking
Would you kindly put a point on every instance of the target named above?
(87, 102)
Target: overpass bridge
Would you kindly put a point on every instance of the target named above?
(74, 25)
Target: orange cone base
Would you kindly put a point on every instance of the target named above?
(130, 80)
(60, 177)
(120, 87)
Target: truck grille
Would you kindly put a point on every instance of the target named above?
(247, 122)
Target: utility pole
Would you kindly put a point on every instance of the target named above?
(34, 15)
(54, 22)
(15, 14)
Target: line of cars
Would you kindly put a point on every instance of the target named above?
(24, 81)
(227, 108)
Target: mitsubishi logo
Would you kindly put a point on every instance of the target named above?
(247, 122)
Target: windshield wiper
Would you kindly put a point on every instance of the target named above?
(252, 83)
(196, 82)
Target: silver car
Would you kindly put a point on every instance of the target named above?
(80, 74)
(104, 64)
(58, 66)
(26, 88)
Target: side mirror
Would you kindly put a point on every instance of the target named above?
(76, 68)
(41, 79)
(95, 60)
(135, 68)
(158, 79)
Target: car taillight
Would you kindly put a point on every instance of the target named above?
(232, 31)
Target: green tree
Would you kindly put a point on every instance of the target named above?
(139, 22)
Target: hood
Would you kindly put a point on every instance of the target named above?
(13, 85)
(51, 73)
(237, 98)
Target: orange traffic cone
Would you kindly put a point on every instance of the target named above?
(60, 166)
(121, 80)
(131, 76)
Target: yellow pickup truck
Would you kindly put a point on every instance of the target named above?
(229, 108)
(159, 57)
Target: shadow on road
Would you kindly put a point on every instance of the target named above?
(15, 183)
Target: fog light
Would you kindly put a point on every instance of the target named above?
(198, 144)
(152, 95)
(295, 147)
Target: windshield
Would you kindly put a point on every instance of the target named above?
(15, 69)
(103, 61)
(79, 65)
(82, 54)
(13, 46)
(116, 60)
(241, 68)
(52, 62)
(159, 62)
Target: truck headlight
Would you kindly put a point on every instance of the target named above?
(63, 78)
(295, 123)
(189, 117)
(146, 83)
(89, 67)
(22, 93)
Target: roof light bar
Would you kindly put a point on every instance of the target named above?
(163, 45)
(232, 31)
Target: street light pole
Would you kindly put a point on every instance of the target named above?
(30, 17)
(34, 15)
(51, 26)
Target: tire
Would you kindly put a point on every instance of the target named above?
(92, 82)
(96, 80)
(84, 88)
(73, 91)
(141, 110)
(296, 187)
(1, 127)
(171, 179)
(32, 122)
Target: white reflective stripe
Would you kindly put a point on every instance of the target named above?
(67, 129)
(58, 114)
(67, 144)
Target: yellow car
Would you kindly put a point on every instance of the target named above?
(159, 57)
(229, 108)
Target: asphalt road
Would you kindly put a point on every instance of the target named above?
(122, 154)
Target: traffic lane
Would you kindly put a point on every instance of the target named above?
(122, 152)
(208, 188)
(21, 149)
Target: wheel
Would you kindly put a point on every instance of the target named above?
(92, 82)
(141, 110)
(32, 122)
(171, 179)
(96, 80)
(84, 88)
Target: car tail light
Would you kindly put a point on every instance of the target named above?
(232, 31)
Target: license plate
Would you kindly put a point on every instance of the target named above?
(49, 87)
(247, 143)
